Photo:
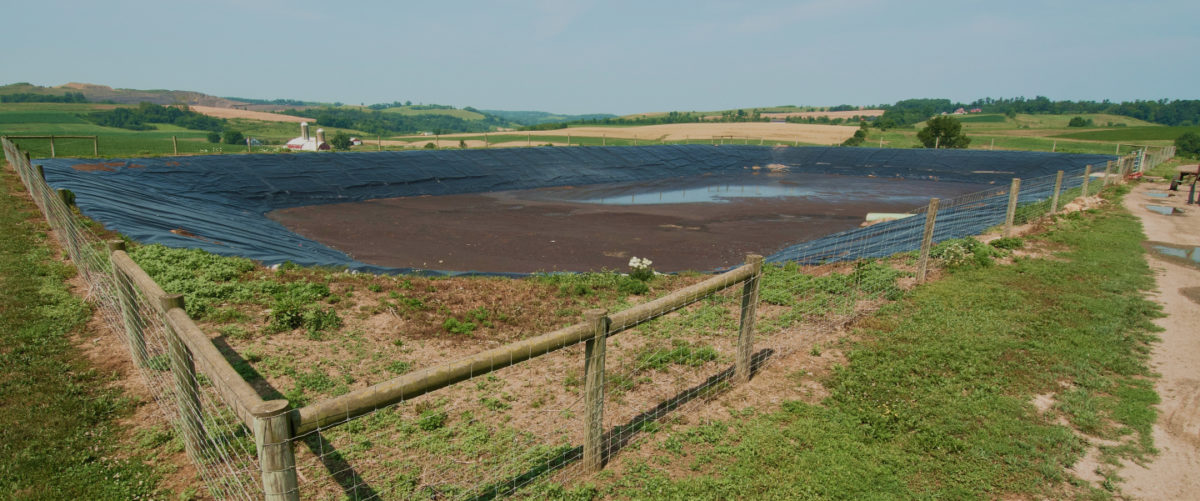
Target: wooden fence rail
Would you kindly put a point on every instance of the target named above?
(356, 403)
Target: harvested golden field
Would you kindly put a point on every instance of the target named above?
(253, 115)
(804, 133)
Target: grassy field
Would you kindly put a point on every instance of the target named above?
(936, 400)
(1129, 134)
(40, 119)
(59, 437)
(408, 110)
(1024, 132)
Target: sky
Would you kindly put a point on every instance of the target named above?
(621, 57)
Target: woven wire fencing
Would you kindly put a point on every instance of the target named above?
(220, 446)
(484, 425)
(476, 422)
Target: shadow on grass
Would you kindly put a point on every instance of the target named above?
(620, 436)
(345, 475)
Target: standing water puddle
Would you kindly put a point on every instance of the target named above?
(1158, 195)
(1185, 254)
(1162, 209)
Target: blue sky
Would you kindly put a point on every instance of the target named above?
(620, 57)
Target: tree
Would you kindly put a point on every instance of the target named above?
(214, 137)
(1188, 144)
(234, 137)
(340, 141)
(1080, 122)
(943, 132)
(857, 139)
(462, 144)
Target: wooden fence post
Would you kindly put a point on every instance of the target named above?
(1107, 171)
(1013, 193)
(927, 239)
(745, 343)
(1087, 176)
(127, 298)
(175, 144)
(51, 145)
(95, 146)
(276, 454)
(593, 374)
(1057, 189)
(41, 172)
(65, 196)
(187, 395)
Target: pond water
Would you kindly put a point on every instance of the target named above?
(757, 185)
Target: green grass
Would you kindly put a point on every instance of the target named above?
(59, 437)
(463, 114)
(1123, 134)
(983, 119)
(1046, 121)
(934, 400)
(42, 119)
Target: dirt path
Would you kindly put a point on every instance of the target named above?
(1173, 473)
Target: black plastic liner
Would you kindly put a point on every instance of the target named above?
(219, 203)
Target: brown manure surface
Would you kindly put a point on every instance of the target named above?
(536, 230)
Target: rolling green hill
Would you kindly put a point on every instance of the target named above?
(102, 93)
(1156, 133)
(452, 112)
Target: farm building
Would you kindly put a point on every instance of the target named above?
(308, 143)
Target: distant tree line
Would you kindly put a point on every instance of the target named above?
(378, 122)
(145, 114)
(1162, 111)
(29, 97)
(393, 104)
(278, 102)
(674, 117)
(528, 118)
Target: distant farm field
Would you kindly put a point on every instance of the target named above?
(253, 115)
(983, 119)
(1157, 133)
(739, 132)
(463, 114)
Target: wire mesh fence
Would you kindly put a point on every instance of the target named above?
(480, 423)
(220, 446)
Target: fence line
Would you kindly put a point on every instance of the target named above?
(245, 447)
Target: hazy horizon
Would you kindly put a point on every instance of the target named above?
(579, 57)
